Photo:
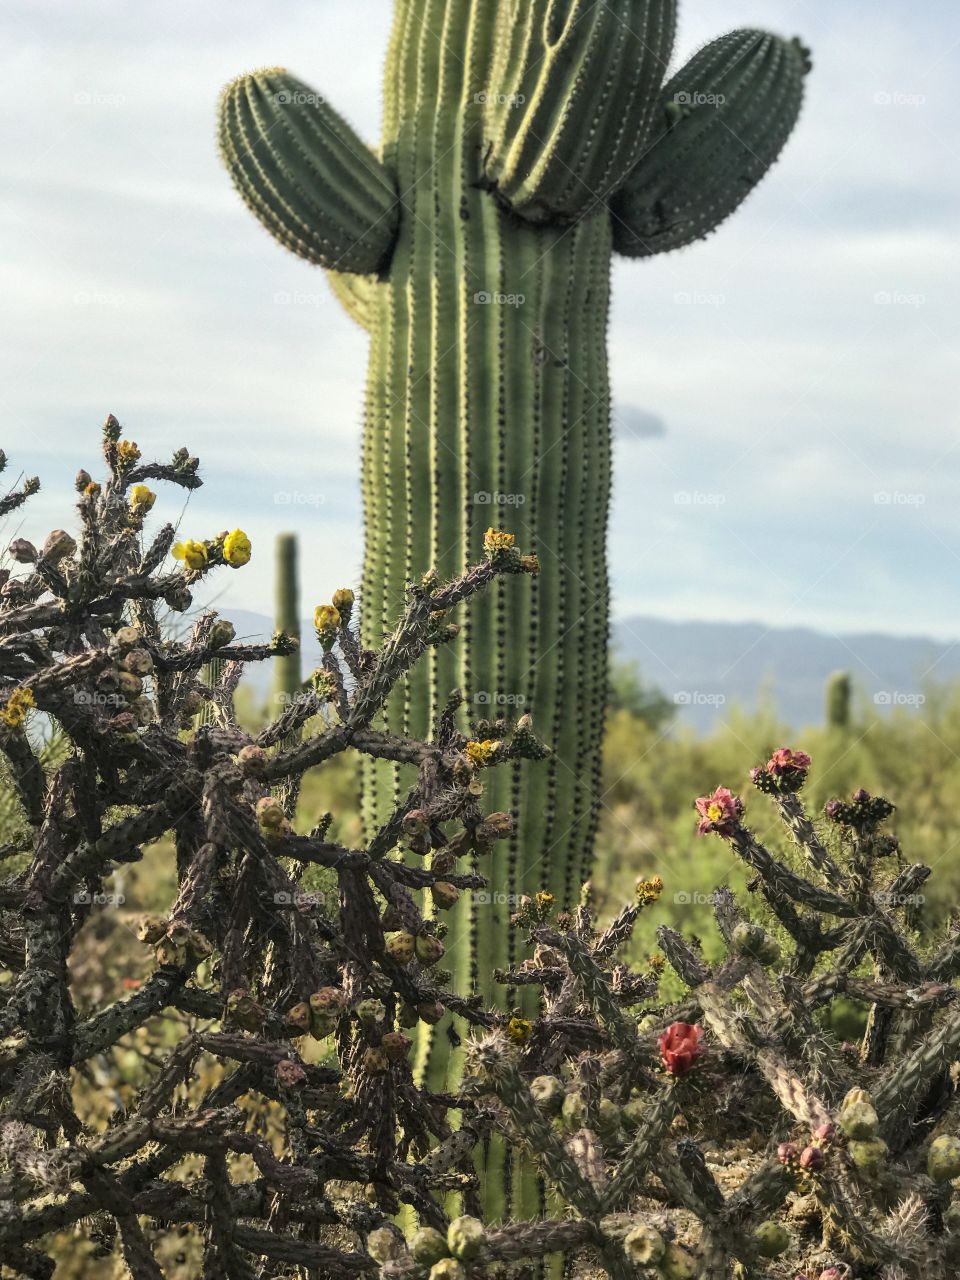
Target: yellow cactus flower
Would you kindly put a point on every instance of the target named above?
(142, 498)
(16, 707)
(326, 619)
(128, 451)
(236, 548)
(519, 1030)
(480, 753)
(496, 542)
(193, 554)
(649, 891)
(545, 901)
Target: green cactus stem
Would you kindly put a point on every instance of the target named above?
(523, 141)
(286, 667)
(838, 701)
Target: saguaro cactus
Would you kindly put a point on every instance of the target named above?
(523, 141)
(839, 692)
(286, 668)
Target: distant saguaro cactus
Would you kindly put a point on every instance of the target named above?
(286, 667)
(838, 700)
(524, 141)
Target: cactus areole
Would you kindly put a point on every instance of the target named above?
(524, 141)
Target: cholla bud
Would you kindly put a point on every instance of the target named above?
(178, 599)
(428, 1246)
(252, 760)
(23, 552)
(859, 1120)
(787, 1152)
(129, 685)
(416, 822)
(644, 1245)
(327, 1000)
(57, 546)
(428, 948)
(678, 1263)
(430, 1011)
(244, 1012)
(343, 601)
(395, 1045)
(548, 1093)
(444, 894)
(270, 815)
(371, 1010)
(574, 1109)
(943, 1159)
(869, 1155)
(465, 1238)
(826, 1133)
(170, 956)
(151, 929)
(400, 946)
(375, 1062)
(811, 1159)
(447, 1269)
(771, 1239)
(289, 1074)
(221, 633)
(384, 1244)
(299, 1017)
(126, 637)
(124, 723)
(138, 661)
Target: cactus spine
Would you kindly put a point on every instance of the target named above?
(286, 667)
(523, 140)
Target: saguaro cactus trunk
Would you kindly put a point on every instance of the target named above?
(286, 668)
(523, 141)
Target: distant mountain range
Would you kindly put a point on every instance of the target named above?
(706, 668)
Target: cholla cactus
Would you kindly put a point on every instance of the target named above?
(253, 960)
(524, 141)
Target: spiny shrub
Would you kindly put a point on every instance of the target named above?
(260, 965)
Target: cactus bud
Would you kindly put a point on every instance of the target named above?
(252, 760)
(299, 1017)
(869, 1155)
(23, 552)
(574, 1109)
(465, 1238)
(151, 929)
(429, 949)
(130, 685)
(548, 1093)
(811, 1159)
(428, 1246)
(343, 601)
(370, 1010)
(57, 546)
(943, 1159)
(375, 1062)
(221, 633)
(384, 1244)
(396, 1045)
(170, 955)
(678, 1263)
(859, 1120)
(644, 1245)
(400, 946)
(430, 1011)
(270, 815)
(289, 1074)
(138, 661)
(771, 1239)
(447, 1269)
(444, 894)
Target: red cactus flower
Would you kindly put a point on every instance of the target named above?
(680, 1047)
(719, 812)
(784, 760)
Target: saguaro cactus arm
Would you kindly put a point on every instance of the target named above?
(725, 117)
(305, 174)
(572, 100)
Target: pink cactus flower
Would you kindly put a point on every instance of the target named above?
(680, 1047)
(719, 812)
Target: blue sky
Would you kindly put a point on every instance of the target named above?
(804, 360)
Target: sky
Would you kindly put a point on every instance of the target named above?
(785, 393)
